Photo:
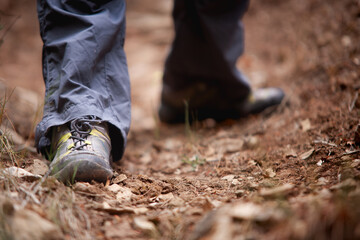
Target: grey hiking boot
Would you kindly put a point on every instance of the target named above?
(209, 102)
(82, 151)
(261, 99)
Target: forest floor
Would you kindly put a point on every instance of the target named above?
(290, 174)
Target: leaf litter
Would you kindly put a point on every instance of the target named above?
(293, 174)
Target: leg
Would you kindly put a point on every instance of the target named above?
(84, 67)
(201, 66)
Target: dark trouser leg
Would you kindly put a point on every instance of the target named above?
(201, 65)
(84, 66)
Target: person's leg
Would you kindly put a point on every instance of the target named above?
(85, 70)
(201, 66)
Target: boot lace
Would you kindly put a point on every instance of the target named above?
(80, 129)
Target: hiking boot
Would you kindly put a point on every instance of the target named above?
(82, 151)
(261, 99)
(208, 103)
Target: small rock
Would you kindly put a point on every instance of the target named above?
(235, 182)
(290, 153)
(270, 173)
(322, 181)
(165, 197)
(124, 194)
(305, 125)
(38, 167)
(346, 41)
(145, 225)
(85, 187)
(251, 142)
(239, 193)
(176, 202)
(319, 163)
(146, 158)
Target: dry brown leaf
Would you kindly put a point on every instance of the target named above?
(307, 154)
(119, 179)
(20, 173)
(277, 191)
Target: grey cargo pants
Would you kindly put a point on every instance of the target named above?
(85, 69)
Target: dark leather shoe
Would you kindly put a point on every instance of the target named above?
(81, 151)
(217, 107)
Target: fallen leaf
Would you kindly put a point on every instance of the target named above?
(119, 179)
(307, 154)
(253, 212)
(20, 173)
(105, 207)
(280, 191)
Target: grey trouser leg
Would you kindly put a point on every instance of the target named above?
(208, 41)
(84, 66)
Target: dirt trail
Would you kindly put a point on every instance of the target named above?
(291, 174)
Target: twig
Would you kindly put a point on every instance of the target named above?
(37, 186)
(351, 152)
(29, 194)
(352, 104)
(325, 142)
